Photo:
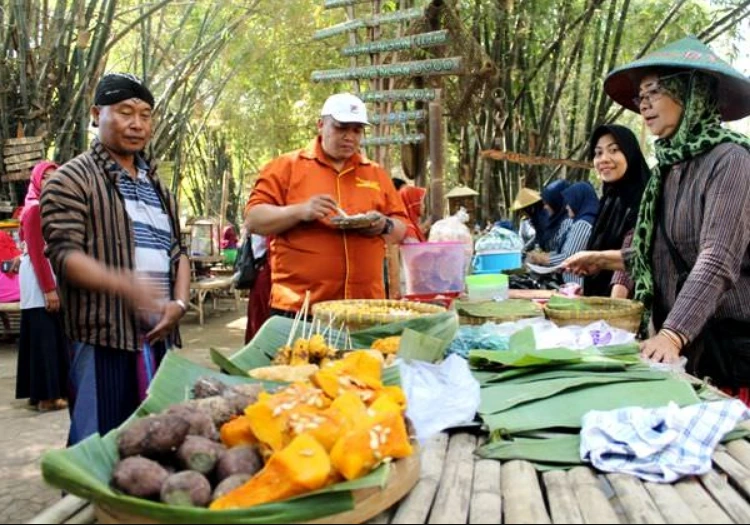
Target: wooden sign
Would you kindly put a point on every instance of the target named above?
(399, 117)
(390, 140)
(421, 68)
(520, 158)
(370, 21)
(421, 41)
(20, 155)
(399, 95)
(329, 4)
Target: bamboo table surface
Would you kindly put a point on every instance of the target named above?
(455, 486)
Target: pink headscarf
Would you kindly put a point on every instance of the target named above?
(35, 185)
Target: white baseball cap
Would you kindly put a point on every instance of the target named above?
(345, 108)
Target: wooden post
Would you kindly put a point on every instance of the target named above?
(437, 159)
(224, 200)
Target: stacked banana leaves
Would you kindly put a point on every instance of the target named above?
(86, 469)
(533, 401)
(423, 338)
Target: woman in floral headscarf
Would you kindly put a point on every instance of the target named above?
(690, 258)
(42, 353)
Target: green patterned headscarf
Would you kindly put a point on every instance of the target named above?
(699, 131)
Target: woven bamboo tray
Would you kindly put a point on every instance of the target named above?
(620, 313)
(363, 313)
(509, 317)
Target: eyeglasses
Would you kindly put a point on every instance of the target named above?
(649, 96)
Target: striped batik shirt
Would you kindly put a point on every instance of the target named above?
(151, 231)
(83, 210)
(706, 210)
(577, 240)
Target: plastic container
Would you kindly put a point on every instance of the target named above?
(496, 262)
(493, 287)
(433, 267)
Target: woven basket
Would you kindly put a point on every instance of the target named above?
(506, 318)
(620, 313)
(358, 315)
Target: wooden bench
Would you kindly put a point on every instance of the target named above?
(455, 486)
(199, 291)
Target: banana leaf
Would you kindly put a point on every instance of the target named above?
(274, 334)
(487, 378)
(443, 326)
(557, 302)
(547, 373)
(417, 346)
(562, 451)
(513, 358)
(566, 410)
(499, 309)
(86, 469)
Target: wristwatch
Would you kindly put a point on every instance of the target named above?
(182, 305)
(388, 228)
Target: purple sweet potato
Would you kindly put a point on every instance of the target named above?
(186, 489)
(199, 454)
(230, 484)
(139, 477)
(239, 460)
(153, 436)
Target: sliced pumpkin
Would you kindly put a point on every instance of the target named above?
(301, 467)
(238, 432)
(373, 441)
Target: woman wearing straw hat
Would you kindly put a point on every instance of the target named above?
(690, 258)
(547, 214)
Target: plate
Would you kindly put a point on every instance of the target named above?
(368, 503)
(354, 222)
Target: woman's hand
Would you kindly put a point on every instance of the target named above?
(52, 302)
(662, 348)
(583, 263)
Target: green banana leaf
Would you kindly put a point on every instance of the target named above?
(86, 469)
(558, 302)
(566, 410)
(499, 309)
(513, 358)
(274, 334)
(417, 346)
(442, 326)
(561, 451)
(507, 395)
(528, 375)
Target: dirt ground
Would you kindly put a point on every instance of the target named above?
(27, 434)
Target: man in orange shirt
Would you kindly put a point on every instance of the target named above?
(297, 194)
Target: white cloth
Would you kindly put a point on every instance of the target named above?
(31, 293)
(662, 444)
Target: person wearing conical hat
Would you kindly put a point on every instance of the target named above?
(547, 214)
(690, 258)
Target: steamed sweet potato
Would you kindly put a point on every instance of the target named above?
(153, 436)
(199, 454)
(239, 460)
(139, 477)
(201, 422)
(186, 489)
(230, 484)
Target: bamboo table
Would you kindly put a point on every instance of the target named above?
(455, 486)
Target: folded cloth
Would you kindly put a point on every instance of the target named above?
(661, 444)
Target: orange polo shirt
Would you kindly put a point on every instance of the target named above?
(330, 263)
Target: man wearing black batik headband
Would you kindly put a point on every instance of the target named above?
(113, 238)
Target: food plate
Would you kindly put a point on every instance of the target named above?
(354, 222)
(368, 502)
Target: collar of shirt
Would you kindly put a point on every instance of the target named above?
(315, 152)
(111, 167)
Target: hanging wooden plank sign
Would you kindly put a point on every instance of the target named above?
(421, 41)
(421, 68)
(520, 158)
(370, 21)
(399, 95)
(389, 140)
(399, 117)
(330, 4)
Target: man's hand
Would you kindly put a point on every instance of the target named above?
(376, 227)
(317, 208)
(539, 258)
(582, 263)
(52, 302)
(15, 266)
(173, 312)
(142, 298)
(661, 349)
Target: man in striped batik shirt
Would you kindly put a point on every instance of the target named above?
(113, 237)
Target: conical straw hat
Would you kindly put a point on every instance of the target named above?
(525, 198)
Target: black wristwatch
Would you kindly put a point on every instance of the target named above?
(388, 228)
